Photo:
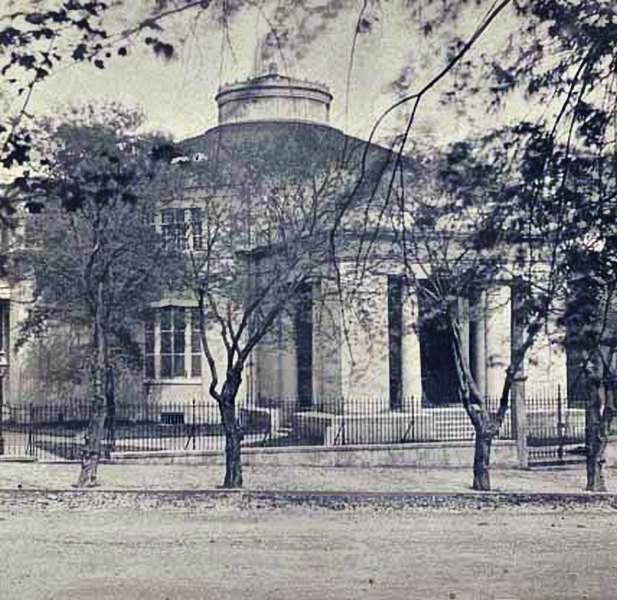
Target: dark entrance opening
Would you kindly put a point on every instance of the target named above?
(395, 340)
(304, 344)
(437, 363)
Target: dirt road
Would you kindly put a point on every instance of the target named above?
(296, 553)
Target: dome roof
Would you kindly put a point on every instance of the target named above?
(284, 148)
(273, 97)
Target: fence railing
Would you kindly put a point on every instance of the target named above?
(555, 427)
(56, 431)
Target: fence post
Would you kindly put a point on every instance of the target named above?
(560, 423)
(194, 427)
(30, 448)
(1, 419)
(343, 425)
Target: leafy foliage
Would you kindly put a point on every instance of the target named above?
(90, 243)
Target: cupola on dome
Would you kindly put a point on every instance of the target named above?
(273, 97)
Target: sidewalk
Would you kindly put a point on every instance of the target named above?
(41, 476)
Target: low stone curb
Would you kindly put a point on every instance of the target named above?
(264, 499)
(17, 459)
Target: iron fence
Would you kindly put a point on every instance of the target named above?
(555, 428)
(56, 431)
(358, 421)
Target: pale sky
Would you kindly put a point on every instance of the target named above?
(177, 96)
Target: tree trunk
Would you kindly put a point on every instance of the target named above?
(233, 459)
(596, 435)
(475, 407)
(233, 431)
(91, 451)
(596, 446)
(110, 401)
(481, 459)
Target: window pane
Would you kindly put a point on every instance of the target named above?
(197, 236)
(166, 319)
(182, 230)
(167, 216)
(179, 365)
(179, 215)
(149, 217)
(168, 235)
(165, 366)
(149, 321)
(195, 342)
(166, 342)
(196, 365)
(2, 328)
(179, 342)
(178, 317)
(149, 342)
(195, 335)
(150, 367)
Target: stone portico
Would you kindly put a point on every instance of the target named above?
(352, 377)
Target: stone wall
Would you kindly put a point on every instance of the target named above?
(429, 455)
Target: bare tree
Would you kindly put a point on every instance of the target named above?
(96, 259)
(590, 321)
(265, 207)
(467, 227)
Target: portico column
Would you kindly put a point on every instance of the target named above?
(498, 336)
(412, 376)
(477, 339)
(462, 311)
(329, 348)
(519, 412)
(365, 380)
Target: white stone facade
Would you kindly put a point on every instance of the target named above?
(348, 369)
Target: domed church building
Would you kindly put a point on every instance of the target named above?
(323, 362)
